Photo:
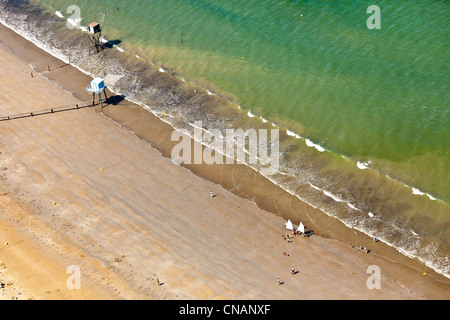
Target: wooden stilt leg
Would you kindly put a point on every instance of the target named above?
(106, 98)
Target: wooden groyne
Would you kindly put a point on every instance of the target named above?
(42, 112)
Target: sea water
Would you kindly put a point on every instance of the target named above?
(366, 111)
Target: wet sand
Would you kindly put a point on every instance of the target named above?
(78, 189)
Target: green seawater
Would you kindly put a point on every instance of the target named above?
(314, 67)
(372, 98)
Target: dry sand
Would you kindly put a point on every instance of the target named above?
(77, 189)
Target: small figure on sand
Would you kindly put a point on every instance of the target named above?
(278, 280)
(364, 249)
(292, 271)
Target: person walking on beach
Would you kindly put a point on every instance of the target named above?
(278, 280)
(292, 271)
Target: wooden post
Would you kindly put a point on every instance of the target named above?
(106, 98)
(100, 99)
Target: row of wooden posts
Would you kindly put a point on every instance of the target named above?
(49, 70)
(46, 111)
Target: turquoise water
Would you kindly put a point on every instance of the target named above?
(375, 99)
(314, 67)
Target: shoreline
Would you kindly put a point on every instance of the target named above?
(360, 199)
(239, 179)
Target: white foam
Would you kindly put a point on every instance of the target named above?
(334, 197)
(251, 115)
(421, 193)
(59, 14)
(292, 134)
(162, 70)
(309, 143)
(363, 165)
(119, 48)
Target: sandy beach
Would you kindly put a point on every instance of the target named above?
(95, 189)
